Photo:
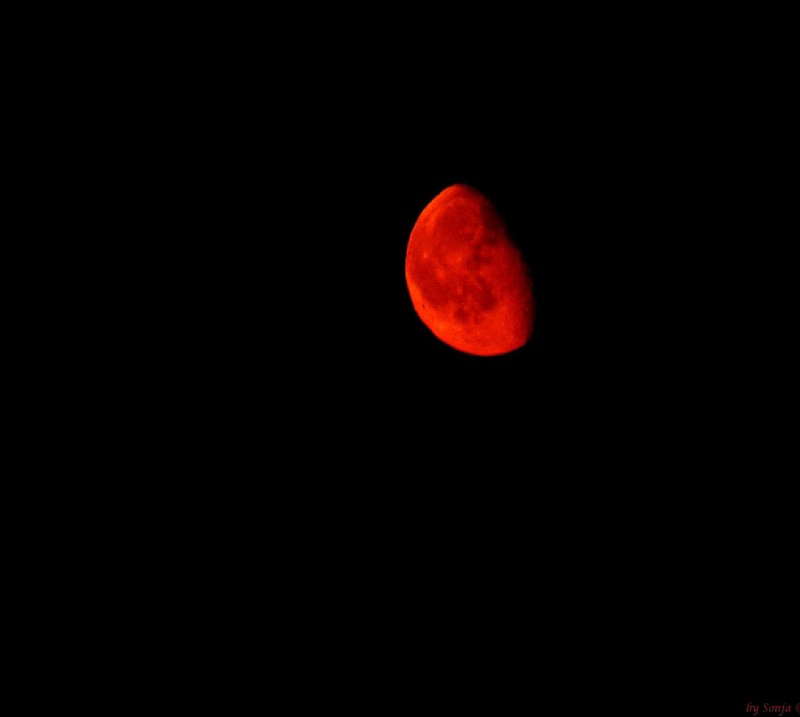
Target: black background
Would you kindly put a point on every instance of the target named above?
(611, 495)
(619, 474)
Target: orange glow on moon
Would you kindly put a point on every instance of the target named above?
(468, 281)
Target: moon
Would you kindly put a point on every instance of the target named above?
(468, 281)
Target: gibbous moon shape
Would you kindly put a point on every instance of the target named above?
(468, 281)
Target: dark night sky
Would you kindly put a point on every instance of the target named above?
(266, 331)
(620, 425)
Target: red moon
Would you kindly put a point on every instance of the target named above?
(468, 281)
